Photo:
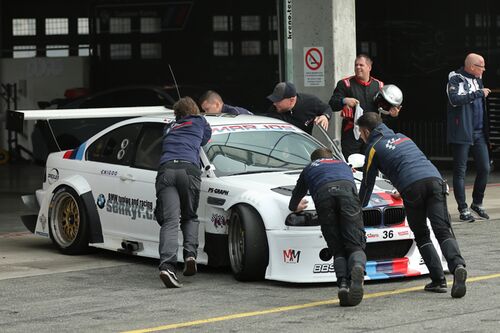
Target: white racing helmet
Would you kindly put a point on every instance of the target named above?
(390, 95)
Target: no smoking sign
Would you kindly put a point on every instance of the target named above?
(314, 73)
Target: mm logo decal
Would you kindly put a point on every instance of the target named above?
(291, 256)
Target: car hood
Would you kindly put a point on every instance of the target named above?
(284, 182)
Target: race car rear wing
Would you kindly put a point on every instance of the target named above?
(16, 118)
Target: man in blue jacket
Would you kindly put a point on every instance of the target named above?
(178, 189)
(212, 103)
(331, 184)
(468, 131)
(424, 195)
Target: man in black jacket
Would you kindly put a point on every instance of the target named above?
(424, 195)
(301, 110)
(359, 89)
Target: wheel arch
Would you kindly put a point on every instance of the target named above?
(83, 189)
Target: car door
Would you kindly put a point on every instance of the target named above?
(112, 180)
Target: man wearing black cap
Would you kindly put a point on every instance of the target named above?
(301, 110)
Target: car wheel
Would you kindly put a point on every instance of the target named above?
(247, 242)
(68, 224)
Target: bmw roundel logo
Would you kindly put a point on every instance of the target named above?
(101, 200)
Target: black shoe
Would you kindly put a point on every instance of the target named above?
(356, 289)
(189, 266)
(436, 286)
(479, 210)
(459, 276)
(343, 292)
(465, 215)
(169, 278)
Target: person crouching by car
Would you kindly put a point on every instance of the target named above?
(331, 184)
(424, 196)
(178, 189)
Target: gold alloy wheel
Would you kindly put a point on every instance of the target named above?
(65, 219)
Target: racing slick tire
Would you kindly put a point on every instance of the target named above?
(247, 243)
(68, 222)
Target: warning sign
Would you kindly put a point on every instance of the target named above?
(314, 71)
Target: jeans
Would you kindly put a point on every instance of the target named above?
(177, 199)
(424, 199)
(460, 152)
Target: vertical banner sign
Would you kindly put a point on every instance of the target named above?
(314, 69)
(288, 42)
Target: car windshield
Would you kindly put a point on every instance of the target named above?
(254, 151)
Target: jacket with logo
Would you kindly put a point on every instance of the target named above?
(397, 157)
(184, 137)
(462, 89)
(317, 174)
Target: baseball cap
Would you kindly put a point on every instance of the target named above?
(281, 91)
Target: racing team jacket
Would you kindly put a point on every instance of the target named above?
(463, 91)
(317, 174)
(362, 91)
(397, 157)
(236, 110)
(184, 137)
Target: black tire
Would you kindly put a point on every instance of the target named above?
(247, 244)
(68, 222)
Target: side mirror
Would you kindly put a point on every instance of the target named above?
(356, 160)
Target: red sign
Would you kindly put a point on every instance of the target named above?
(314, 59)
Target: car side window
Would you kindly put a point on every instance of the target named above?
(115, 147)
(149, 146)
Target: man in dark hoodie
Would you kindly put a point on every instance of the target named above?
(468, 131)
(178, 188)
(331, 184)
(423, 191)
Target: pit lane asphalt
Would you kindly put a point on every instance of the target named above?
(44, 291)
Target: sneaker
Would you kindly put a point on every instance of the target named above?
(189, 266)
(479, 210)
(459, 276)
(465, 215)
(169, 278)
(343, 292)
(436, 286)
(356, 290)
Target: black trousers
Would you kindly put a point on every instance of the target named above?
(424, 199)
(341, 218)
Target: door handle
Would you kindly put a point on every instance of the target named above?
(127, 177)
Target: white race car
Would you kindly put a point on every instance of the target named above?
(102, 195)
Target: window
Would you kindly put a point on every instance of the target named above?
(149, 147)
(273, 23)
(56, 26)
(150, 50)
(24, 51)
(150, 25)
(273, 47)
(115, 147)
(222, 48)
(120, 25)
(83, 25)
(24, 27)
(222, 23)
(120, 51)
(250, 47)
(259, 151)
(84, 50)
(57, 50)
(250, 23)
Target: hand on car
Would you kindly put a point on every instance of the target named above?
(321, 121)
(302, 205)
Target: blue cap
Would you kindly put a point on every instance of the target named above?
(281, 91)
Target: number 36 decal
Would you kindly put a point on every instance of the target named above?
(387, 234)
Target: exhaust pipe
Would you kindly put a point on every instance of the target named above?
(131, 246)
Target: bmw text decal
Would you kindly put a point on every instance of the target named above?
(136, 208)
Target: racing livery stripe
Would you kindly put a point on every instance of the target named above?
(79, 153)
(384, 269)
(75, 154)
